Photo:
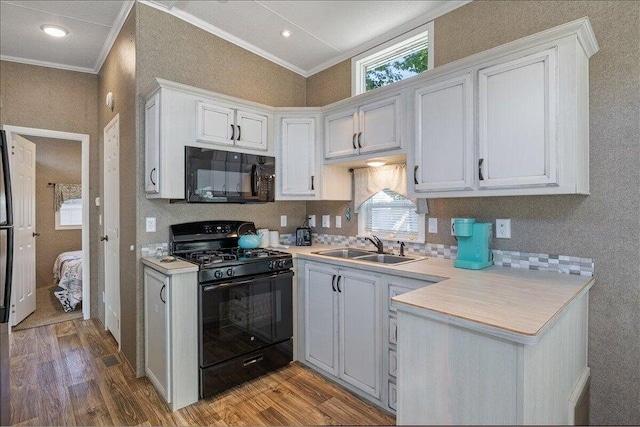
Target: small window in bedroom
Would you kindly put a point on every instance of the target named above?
(69, 217)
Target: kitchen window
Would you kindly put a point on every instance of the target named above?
(402, 57)
(391, 216)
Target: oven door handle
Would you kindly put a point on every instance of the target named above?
(255, 181)
(214, 287)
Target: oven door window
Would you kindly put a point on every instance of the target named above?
(243, 316)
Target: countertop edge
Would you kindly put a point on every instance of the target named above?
(174, 268)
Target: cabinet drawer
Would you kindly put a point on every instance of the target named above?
(393, 395)
(393, 330)
(393, 363)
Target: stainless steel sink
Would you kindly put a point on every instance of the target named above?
(386, 258)
(344, 253)
(363, 255)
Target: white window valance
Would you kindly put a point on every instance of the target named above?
(369, 181)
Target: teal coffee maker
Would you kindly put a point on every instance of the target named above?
(474, 244)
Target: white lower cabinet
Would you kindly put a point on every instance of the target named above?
(171, 335)
(342, 325)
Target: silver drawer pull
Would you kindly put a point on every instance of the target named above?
(252, 360)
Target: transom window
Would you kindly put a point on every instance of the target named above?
(391, 216)
(402, 57)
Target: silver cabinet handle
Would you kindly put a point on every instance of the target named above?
(359, 139)
(480, 162)
(151, 176)
(415, 174)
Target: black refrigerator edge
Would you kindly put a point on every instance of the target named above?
(6, 270)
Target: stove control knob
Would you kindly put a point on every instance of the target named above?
(217, 274)
(230, 272)
(281, 263)
(271, 265)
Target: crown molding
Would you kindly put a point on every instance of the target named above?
(203, 25)
(113, 34)
(47, 64)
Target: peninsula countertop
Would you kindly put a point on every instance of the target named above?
(510, 301)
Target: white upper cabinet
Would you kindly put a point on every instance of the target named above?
(518, 101)
(368, 127)
(152, 144)
(444, 149)
(297, 175)
(528, 100)
(227, 126)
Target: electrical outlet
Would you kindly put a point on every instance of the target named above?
(503, 228)
(326, 221)
(283, 220)
(151, 224)
(433, 225)
(338, 221)
(312, 220)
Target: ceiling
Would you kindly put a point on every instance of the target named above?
(323, 33)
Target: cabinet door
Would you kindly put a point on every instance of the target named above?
(320, 315)
(360, 347)
(251, 130)
(156, 315)
(152, 145)
(340, 134)
(444, 150)
(298, 157)
(215, 123)
(518, 104)
(379, 125)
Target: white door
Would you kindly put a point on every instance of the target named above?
(152, 145)
(111, 236)
(251, 130)
(444, 150)
(341, 129)
(320, 315)
(518, 103)
(360, 330)
(215, 124)
(298, 157)
(379, 125)
(23, 179)
(156, 320)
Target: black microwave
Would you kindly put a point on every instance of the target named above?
(218, 176)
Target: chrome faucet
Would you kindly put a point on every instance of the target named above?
(377, 242)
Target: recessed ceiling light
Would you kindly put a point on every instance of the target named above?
(376, 164)
(54, 30)
(285, 33)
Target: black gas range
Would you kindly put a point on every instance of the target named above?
(245, 303)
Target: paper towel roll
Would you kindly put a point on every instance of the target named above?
(274, 238)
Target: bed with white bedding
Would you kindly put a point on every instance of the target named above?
(67, 273)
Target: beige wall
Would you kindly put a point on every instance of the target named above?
(604, 225)
(117, 75)
(330, 85)
(57, 161)
(67, 101)
(200, 59)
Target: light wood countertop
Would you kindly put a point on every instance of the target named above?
(170, 268)
(506, 300)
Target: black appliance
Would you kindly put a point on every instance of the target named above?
(6, 271)
(245, 303)
(217, 176)
(303, 236)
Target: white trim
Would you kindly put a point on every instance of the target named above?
(398, 31)
(86, 250)
(47, 64)
(113, 34)
(203, 25)
(365, 58)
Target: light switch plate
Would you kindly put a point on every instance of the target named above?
(312, 220)
(151, 224)
(283, 220)
(338, 221)
(433, 225)
(326, 221)
(503, 228)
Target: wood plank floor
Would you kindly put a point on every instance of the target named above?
(71, 374)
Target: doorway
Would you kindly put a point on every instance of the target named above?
(14, 134)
